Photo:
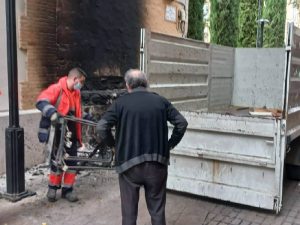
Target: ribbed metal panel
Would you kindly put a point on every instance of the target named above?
(222, 73)
(178, 69)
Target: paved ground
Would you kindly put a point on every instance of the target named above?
(100, 204)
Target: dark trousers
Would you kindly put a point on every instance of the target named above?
(72, 151)
(151, 175)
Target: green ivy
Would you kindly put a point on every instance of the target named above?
(196, 24)
(275, 12)
(224, 22)
(247, 23)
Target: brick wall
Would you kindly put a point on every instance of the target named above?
(154, 16)
(100, 36)
(37, 37)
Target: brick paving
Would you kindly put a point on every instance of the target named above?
(223, 213)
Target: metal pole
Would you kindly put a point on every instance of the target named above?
(262, 23)
(14, 134)
(258, 32)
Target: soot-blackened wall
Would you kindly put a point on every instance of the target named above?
(100, 36)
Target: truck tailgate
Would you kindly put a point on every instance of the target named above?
(236, 159)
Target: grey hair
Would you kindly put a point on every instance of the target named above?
(135, 78)
(78, 72)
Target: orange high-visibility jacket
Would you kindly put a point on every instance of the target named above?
(59, 92)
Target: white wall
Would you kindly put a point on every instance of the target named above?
(22, 76)
(292, 16)
(20, 6)
(3, 61)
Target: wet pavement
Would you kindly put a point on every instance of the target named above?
(100, 204)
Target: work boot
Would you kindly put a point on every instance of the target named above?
(70, 196)
(51, 195)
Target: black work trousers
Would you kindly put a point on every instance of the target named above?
(151, 175)
(71, 150)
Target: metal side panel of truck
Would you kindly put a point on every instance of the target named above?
(236, 159)
(233, 158)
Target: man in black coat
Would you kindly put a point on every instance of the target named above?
(142, 145)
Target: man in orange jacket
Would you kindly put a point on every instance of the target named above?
(62, 98)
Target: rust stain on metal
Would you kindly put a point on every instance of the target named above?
(216, 170)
